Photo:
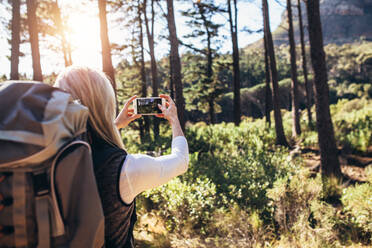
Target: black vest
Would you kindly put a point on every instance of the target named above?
(119, 216)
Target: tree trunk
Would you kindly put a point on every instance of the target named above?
(296, 128)
(61, 30)
(108, 69)
(328, 151)
(154, 69)
(236, 69)
(212, 115)
(176, 64)
(209, 73)
(16, 27)
(34, 39)
(171, 84)
(280, 137)
(268, 94)
(145, 125)
(304, 64)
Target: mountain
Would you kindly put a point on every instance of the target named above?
(342, 21)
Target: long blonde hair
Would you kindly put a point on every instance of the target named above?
(95, 91)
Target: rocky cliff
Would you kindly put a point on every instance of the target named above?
(342, 21)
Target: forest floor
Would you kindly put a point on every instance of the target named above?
(352, 164)
(151, 231)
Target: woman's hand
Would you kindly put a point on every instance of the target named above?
(169, 111)
(126, 115)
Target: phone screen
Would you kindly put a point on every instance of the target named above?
(148, 105)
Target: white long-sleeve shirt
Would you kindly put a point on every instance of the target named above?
(142, 172)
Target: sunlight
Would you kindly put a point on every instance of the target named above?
(84, 36)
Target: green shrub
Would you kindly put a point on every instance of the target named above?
(357, 201)
(353, 123)
(240, 161)
(186, 207)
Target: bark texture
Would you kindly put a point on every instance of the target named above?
(328, 151)
(280, 137)
(34, 39)
(16, 27)
(176, 75)
(107, 67)
(268, 94)
(296, 128)
(154, 69)
(236, 68)
(304, 63)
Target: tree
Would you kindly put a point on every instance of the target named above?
(34, 39)
(280, 137)
(235, 51)
(201, 19)
(16, 28)
(105, 44)
(304, 63)
(175, 64)
(145, 125)
(296, 128)
(154, 70)
(327, 144)
(268, 94)
(61, 30)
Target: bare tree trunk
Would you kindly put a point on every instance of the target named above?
(280, 137)
(236, 69)
(304, 64)
(61, 30)
(106, 49)
(16, 27)
(296, 128)
(268, 94)
(176, 64)
(327, 144)
(154, 69)
(146, 125)
(34, 39)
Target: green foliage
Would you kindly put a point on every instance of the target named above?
(358, 206)
(353, 123)
(186, 206)
(239, 161)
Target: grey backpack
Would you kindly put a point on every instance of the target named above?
(48, 192)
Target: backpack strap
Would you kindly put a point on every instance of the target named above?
(43, 221)
(19, 209)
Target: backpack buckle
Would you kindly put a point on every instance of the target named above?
(41, 184)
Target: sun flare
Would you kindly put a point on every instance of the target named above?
(84, 36)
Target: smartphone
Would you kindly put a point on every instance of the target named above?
(148, 105)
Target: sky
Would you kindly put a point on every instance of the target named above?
(85, 36)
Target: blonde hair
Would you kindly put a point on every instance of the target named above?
(95, 91)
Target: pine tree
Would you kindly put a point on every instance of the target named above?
(106, 49)
(233, 21)
(176, 64)
(327, 144)
(296, 128)
(200, 18)
(304, 63)
(16, 28)
(154, 69)
(280, 137)
(34, 39)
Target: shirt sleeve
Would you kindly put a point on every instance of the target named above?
(142, 172)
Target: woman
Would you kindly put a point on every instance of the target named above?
(120, 176)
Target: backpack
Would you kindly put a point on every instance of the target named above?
(48, 192)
